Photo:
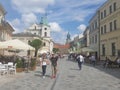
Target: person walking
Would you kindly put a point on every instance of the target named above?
(118, 61)
(44, 63)
(93, 60)
(80, 60)
(54, 60)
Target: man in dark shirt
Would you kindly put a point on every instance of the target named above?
(54, 60)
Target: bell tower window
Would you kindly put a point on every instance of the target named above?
(45, 34)
(45, 28)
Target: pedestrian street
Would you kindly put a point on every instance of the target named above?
(69, 77)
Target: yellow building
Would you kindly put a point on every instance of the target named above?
(110, 29)
(94, 34)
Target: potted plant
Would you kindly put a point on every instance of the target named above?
(19, 66)
(33, 64)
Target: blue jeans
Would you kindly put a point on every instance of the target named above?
(43, 69)
(80, 65)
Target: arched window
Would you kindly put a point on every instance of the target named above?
(35, 27)
(45, 34)
(44, 44)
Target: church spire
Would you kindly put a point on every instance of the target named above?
(68, 38)
(44, 19)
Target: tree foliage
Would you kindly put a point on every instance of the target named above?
(55, 50)
(37, 44)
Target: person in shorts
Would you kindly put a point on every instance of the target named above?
(54, 60)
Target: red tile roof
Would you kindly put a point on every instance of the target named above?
(66, 46)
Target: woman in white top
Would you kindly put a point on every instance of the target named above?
(44, 65)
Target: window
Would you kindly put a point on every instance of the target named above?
(110, 9)
(92, 39)
(110, 26)
(115, 25)
(118, 53)
(101, 30)
(95, 38)
(44, 44)
(101, 15)
(114, 6)
(45, 28)
(35, 27)
(113, 49)
(104, 28)
(103, 49)
(45, 34)
(90, 28)
(93, 26)
(96, 24)
(104, 13)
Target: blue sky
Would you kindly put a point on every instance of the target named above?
(63, 15)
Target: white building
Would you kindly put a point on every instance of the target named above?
(41, 31)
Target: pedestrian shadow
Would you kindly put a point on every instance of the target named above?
(39, 74)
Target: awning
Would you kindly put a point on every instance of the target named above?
(88, 49)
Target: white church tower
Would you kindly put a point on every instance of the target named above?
(45, 28)
(42, 29)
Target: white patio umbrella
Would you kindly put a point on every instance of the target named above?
(2, 46)
(15, 44)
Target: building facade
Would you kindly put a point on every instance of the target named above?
(94, 34)
(86, 37)
(110, 30)
(6, 29)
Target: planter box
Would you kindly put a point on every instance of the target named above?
(33, 68)
(19, 69)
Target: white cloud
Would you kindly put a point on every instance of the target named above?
(29, 19)
(74, 10)
(27, 6)
(55, 27)
(59, 37)
(57, 33)
(81, 27)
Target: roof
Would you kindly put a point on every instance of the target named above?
(24, 35)
(6, 26)
(66, 46)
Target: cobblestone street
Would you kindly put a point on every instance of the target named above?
(69, 78)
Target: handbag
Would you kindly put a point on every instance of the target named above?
(47, 62)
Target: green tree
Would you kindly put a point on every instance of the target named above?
(37, 44)
(55, 50)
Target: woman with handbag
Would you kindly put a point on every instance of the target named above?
(44, 62)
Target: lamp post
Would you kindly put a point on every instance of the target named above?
(28, 60)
